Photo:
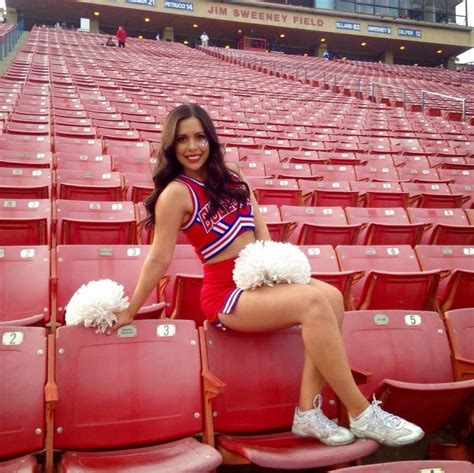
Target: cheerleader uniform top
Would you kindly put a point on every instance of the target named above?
(211, 236)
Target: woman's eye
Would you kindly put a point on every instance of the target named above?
(181, 139)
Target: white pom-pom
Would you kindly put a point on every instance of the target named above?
(94, 304)
(269, 263)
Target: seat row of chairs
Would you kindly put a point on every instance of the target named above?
(63, 221)
(428, 277)
(138, 398)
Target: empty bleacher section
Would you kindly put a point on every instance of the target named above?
(379, 196)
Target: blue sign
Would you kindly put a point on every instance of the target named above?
(346, 25)
(379, 29)
(409, 32)
(186, 6)
(147, 3)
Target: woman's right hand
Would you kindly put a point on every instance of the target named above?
(125, 317)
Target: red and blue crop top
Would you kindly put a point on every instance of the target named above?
(210, 236)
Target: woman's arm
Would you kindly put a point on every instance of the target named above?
(261, 229)
(170, 211)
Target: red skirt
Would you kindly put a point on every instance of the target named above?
(219, 294)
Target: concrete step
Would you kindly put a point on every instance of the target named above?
(5, 63)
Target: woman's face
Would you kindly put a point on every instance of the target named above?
(192, 148)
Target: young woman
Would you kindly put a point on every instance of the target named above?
(197, 193)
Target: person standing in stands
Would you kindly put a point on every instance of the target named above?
(121, 37)
(204, 40)
(197, 193)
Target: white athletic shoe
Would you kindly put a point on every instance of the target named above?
(387, 429)
(314, 423)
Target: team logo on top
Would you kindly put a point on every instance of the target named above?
(210, 223)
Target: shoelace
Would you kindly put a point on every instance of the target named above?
(327, 425)
(386, 418)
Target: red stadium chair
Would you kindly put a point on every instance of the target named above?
(24, 292)
(320, 225)
(23, 355)
(151, 432)
(460, 327)
(407, 353)
(25, 159)
(35, 144)
(328, 193)
(80, 162)
(88, 147)
(78, 222)
(75, 265)
(89, 185)
(25, 183)
(25, 222)
(386, 226)
(392, 279)
(247, 405)
(454, 292)
(135, 149)
(449, 226)
(276, 191)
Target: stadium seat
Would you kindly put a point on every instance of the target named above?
(75, 265)
(460, 327)
(333, 173)
(87, 185)
(320, 225)
(392, 279)
(81, 162)
(123, 405)
(385, 226)
(413, 466)
(25, 159)
(88, 147)
(23, 356)
(455, 291)
(328, 193)
(250, 402)
(279, 230)
(135, 149)
(407, 353)
(276, 191)
(79, 222)
(25, 183)
(25, 222)
(449, 226)
(24, 292)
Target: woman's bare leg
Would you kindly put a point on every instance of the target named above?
(281, 306)
(312, 380)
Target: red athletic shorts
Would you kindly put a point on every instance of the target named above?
(219, 293)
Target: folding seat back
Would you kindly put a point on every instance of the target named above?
(467, 190)
(449, 226)
(385, 226)
(381, 173)
(80, 162)
(37, 144)
(460, 326)
(320, 225)
(255, 395)
(76, 265)
(25, 159)
(288, 170)
(23, 356)
(138, 387)
(457, 176)
(279, 230)
(276, 191)
(89, 185)
(25, 183)
(133, 164)
(25, 222)
(408, 354)
(328, 193)
(136, 149)
(24, 292)
(392, 280)
(88, 147)
(333, 173)
(411, 173)
(455, 291)
(85, 223)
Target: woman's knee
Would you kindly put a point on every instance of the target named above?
(317, 306)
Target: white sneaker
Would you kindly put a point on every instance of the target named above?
(314, 423)
(393, 431)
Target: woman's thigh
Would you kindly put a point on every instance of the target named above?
(275, 307)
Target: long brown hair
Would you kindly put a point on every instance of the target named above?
(220, 186)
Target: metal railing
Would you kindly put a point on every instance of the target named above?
(8, 38)
(403, 89)
(449, 97)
